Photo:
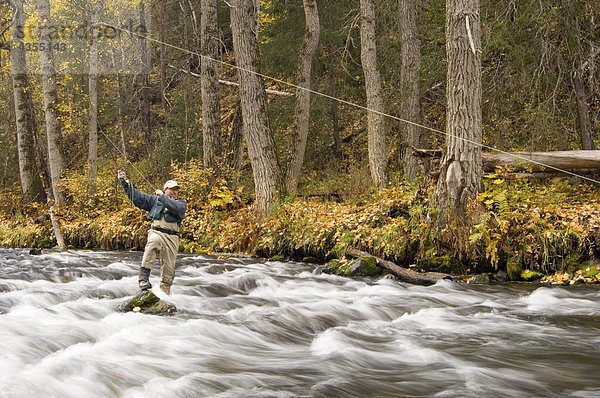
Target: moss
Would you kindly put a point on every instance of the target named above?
(529, 275)
(514, 269)
(573, 261)
(364, 266)
(590, 272)
(446, 264)
(370, 263)
(276, 258)
(144, 299)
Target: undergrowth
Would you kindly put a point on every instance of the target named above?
(521, 225)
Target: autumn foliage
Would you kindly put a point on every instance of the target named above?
(520, 226)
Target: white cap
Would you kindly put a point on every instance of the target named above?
(170, 184)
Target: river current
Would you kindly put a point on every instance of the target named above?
(247, 328)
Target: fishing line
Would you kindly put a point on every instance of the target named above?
(352, 104)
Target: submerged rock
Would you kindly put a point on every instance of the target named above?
(479, 279)
(147, 302)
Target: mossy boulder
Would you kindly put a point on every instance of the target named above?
(530, 276)
(444, 263)
(364, 266)
(514, 268)
(591, 271)
(147, 302)
(333, 267)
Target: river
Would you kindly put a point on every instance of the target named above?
(248, 328)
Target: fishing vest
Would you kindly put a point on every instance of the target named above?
(159, 211)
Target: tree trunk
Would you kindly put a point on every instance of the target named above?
(117, 61)
(460, 176)
(211, 108)
(409, 84)
(53, 129)
(31, 184)
(235, 148)
(375, 121)
(145, 79)
(577, 77)
(302, 111)
(335, 119)
(163, 55)
(257, 132)
(585, 126)
(256, 17)
(93, 98)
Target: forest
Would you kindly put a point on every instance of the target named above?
(305, 129)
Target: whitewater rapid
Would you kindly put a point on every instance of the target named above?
(250, 328)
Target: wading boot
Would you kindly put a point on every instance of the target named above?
(144, 279)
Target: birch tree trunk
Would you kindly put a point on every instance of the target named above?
(410, 107)
(460, 176)
(375, 121)
(31, 183)
(302, 111)
(53, 128)
(211, 109)
(257, 132)
(93, 98)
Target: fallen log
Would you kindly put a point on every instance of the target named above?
(404, 274)
(530, 161)
(539, 161)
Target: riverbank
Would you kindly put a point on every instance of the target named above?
(526, 229)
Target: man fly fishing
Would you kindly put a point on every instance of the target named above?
(165, 213)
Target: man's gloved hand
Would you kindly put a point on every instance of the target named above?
(121, 175)
(159, 192)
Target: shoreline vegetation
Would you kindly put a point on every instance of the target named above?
(546, 231)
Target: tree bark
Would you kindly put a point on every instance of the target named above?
(375, 121)
(460, 176)
(93, 98)
(577, 78)
(60, 241)
(410, 106)
(211, 108)
(235, 147)
(302, 110)
(334, 111)
(53, 128)
(404, 274)
(145, 79)
(163, 54)
(585, 126)
(535, 161)
(268, 180)
(31, 183)
(117, 60)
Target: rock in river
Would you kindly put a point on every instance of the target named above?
(147, 302)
